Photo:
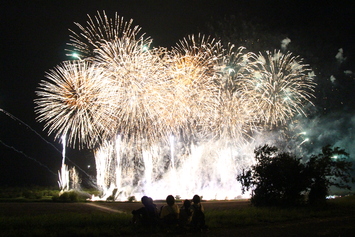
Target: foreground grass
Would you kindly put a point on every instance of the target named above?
(67, 224)
(118, 224)
(254, 216)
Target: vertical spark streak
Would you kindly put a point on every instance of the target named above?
(172, 151)
(63, 174)
(64, 148)
(118, 162)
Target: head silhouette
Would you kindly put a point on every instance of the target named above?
(150, 200)
(187, 204)
(170, 200)
(196, 199)
(145, 200)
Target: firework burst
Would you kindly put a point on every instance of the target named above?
(139, 78)
(236, 117)
(279, 85)
(199, 92)
(193, 67)
(101, 29)
(73, 102)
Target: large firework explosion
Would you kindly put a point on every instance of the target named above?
(173, 120)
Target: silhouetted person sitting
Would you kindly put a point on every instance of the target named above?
(198, 214)
(146, 215)
(170, 213)
(185, 214)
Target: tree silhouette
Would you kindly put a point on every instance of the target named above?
(280, 178)
(329, 168)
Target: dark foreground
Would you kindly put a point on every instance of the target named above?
(339, 225)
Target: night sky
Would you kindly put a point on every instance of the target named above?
(34, 35)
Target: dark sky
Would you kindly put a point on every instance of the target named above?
(34, 35)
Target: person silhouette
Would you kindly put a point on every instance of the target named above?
(185, 216)
(198, 214)
(170, 213)
(146, 215)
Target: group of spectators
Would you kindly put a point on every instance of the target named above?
(189, 217)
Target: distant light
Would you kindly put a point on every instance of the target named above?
(89, 166)
(76, 55)
(332, 197)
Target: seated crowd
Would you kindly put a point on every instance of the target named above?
(189, 217)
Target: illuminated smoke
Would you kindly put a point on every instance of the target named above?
(340, 56)
(284, 43)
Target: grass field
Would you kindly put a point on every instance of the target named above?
(224, 218)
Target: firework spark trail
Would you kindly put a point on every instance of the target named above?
(22, 153)
(200, 92)
(19, 120)
(63, 173)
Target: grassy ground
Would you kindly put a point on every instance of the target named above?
(335, 219)
(223, 219)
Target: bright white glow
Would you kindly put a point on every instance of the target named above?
(76, 55)
(63, 176)
(208, 170)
